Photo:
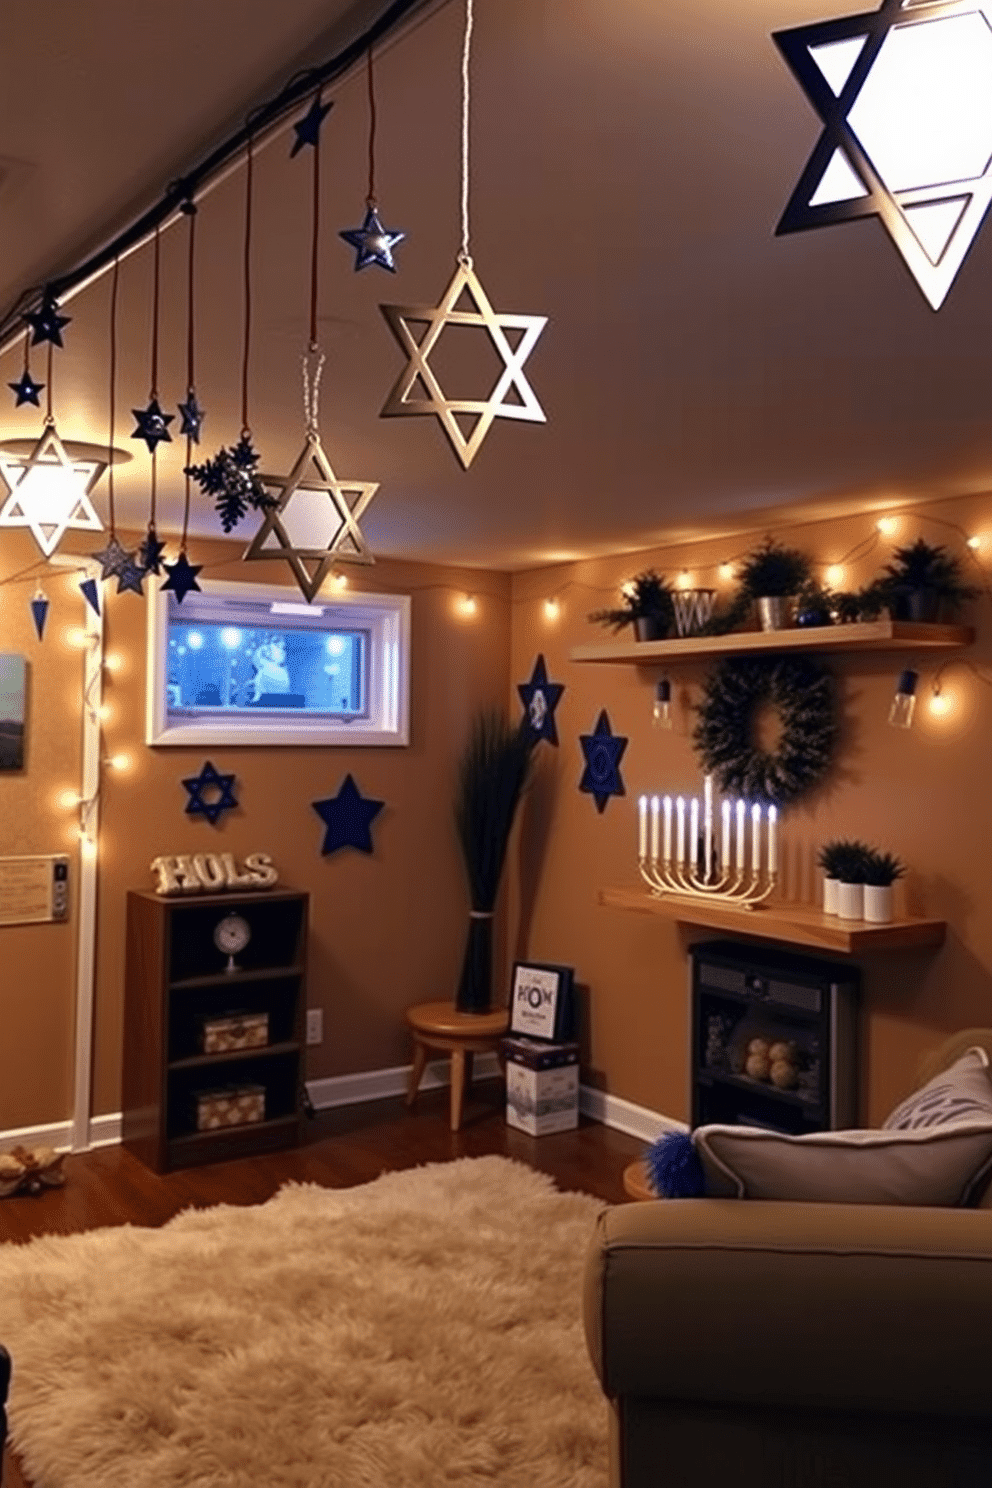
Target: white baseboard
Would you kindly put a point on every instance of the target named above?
(370, 1085)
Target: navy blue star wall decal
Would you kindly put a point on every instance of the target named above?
(192, 416)
(308, 128)
(603, 751)
(26, 390)
(540, 699)
(899, 91)
(46, 323)
(372, 242)
(210, 793)
(153, 424)
(348, 817)
(182, 577)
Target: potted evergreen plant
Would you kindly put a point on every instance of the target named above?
(771, 574)
(880, 871)
(843, 862)
(647, 606)
(924, 582)
(493, 773)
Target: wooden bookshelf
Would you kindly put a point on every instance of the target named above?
(794, 924)
(870, 635)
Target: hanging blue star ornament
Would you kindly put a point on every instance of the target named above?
(131, 578)
(603, 751)
(182, 577)
(192, 416)
(39, 612)
(540, 699)
(150, 552)
(27, 390)
(372, 242)
(90, 590)
(348, 817)
(46, 323)
(113, 559)
(308, 128)
(153, 424)
(220, 797)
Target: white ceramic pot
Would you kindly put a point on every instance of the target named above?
(851, 901)
(878, 903)
(830, 895)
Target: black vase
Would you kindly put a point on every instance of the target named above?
(475, 988)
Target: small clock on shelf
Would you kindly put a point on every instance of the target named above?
(231, 935)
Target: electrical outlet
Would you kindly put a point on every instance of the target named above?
(315, 1025)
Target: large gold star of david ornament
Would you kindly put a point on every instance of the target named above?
(49, 489)
(418, 370)
(310, 563)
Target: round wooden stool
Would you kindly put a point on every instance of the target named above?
(636, 1182)
(439, 1025)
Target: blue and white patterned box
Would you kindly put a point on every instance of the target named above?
(542, 1085)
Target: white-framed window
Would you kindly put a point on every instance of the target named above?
(254, 664)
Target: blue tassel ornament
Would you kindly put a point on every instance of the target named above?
(674, 1168)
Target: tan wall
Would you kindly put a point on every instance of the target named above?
(923, 794)
(387, 929)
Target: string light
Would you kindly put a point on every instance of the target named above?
(339, 581)
(887, 525)
(118, 762)
(467, 604)
(974, 543)
(835, 575)
(940, 702)
(552, 609)
(684, 580)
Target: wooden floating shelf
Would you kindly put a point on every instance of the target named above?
(869, 635)
(797, 924)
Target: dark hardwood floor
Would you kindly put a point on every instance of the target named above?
(343, 1147)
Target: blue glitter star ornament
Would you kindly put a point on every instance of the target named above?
(27, 390)
(182, 577)
(131, 578)
(192, 416)
(348, 817)
(153, 424)
(308, 128)
(114, 558)
(46, 323)
(603, 751)
(150, 552)
(540, 699)
(372, 242)
(220, 798)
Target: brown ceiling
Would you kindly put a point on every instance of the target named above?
(629, 163)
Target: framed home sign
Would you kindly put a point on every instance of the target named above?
(541, 1001)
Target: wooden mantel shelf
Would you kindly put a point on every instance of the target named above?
(797, 924)
(869, 635)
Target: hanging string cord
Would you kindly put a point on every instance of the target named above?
(245, 430)
(311, 398)
(49, 415)
(370, 201)
(315, 238)
(190, 370)
(113, 394)
(464, 256)
(156, 280)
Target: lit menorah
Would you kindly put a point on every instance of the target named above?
(695, 866)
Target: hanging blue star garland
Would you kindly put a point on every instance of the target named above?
(348, 817)
(26, 390)
(46, 323)
(182, 577)
(540, 699)
(212, 806)
(373, 243)
(603, 751)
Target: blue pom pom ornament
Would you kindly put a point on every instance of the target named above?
(674, 1169)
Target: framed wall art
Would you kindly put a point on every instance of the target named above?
(541, 1001)
(13, 696)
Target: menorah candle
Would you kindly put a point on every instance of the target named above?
(725, 837)
(740, 834)
(642, 826)
(694, 833)
(680, 830)
(756, 838)
(654, 828)
(772, 840)
(668, 829)
(707, 824)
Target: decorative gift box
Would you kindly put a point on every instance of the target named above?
(234, 1031)
(542, 1085)
(237, 1105)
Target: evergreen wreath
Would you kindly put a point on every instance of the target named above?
(802, 692)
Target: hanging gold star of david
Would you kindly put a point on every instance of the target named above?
(334, 521)
(49, 491)
(418, 370)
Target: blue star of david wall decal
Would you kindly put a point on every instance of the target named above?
(540, 699)
(907, 138)
(212, 806)
(348, 817)
(603, 751)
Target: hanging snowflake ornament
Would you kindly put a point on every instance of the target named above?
(231, 478)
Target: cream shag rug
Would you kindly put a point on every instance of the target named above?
(419, 1331)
